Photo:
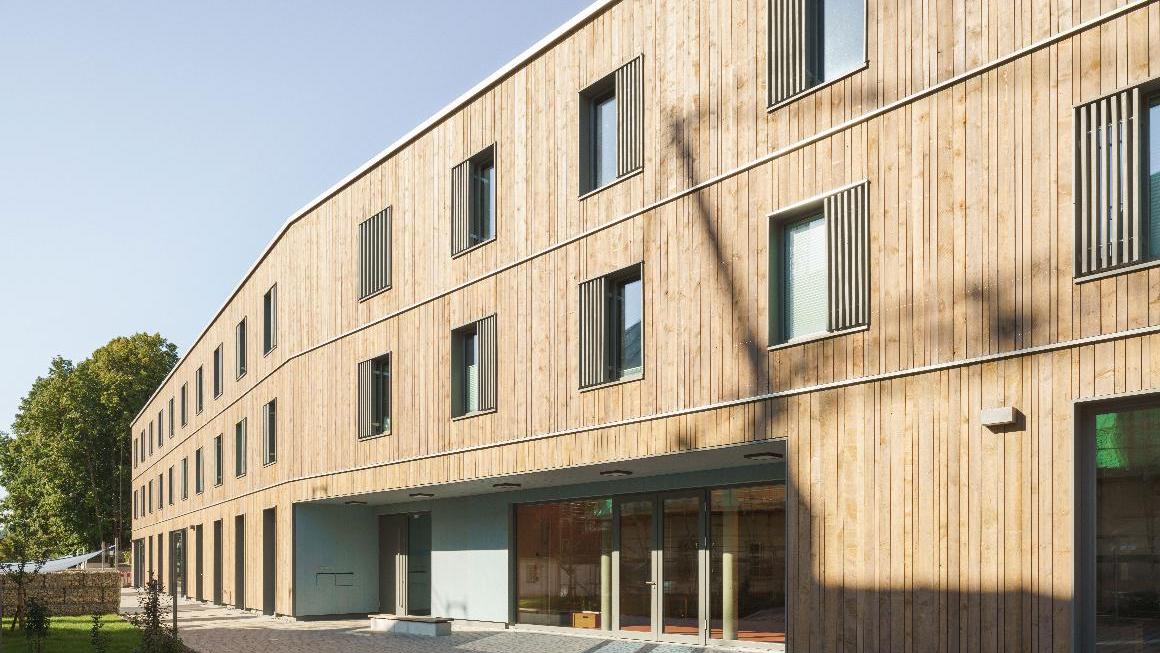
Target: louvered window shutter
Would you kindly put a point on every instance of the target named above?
(630, 117)
(593, 363)
(375, 253)
(846, 229)
(787, 49)
(365, 405)
(460, 207)
(1108, 189)
(486, 332)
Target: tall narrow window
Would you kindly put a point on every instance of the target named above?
(819, 267)
(198, 472)
(813, 42)
(612, 127)
(611, 325)
(160, 427)
(172, 416)
(270, 319)
(473, 201)
(374, 259)
(217, 372)
(473, 368)
(185, 478)
(270, 432)
(184, 404)
(1117, 602)
(374, 396)
(240, 337)
(218, 460)
(199, 390)
(240, 448)
(1117, 181)
(150, 497)
(170, 490)
(150, 438)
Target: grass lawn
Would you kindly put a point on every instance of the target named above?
(71, 635)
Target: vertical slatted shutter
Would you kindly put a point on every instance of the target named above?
(787, 49)
(460, 207)
(846, 230)
(593, 367)
(1108, 169)
(485, 329)
(365, 405)
(629, 117)
(375, 253)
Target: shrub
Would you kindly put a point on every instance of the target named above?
(98, 639)
(156, 635)
(36, 623)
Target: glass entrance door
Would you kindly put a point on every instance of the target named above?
(679, 590)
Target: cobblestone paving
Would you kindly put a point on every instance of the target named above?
(214, 629)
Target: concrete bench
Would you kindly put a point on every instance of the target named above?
(426, 626)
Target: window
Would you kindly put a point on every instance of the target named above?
(473, 367)
(184, 404)
(374, 258)
(1117, 599)
(134, 503)
(217, 372)
(172, 416)
(819, 267)
(611, 327)
(184, 478)
(171, 485)
(270, 432)
(150, 438)
(160, 428)
(240, 448)
(199, 390)
(1117, 182)
(812, 42)
(240, 338)
(218, 460)
(473, 201)
(612, 127)
(161, 491)
(136, 451)
(374, 396)
(198, 472)
(270, 319)
(150, 497)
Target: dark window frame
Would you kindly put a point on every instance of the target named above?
(594, 95)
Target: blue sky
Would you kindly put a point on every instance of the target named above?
(149, 151)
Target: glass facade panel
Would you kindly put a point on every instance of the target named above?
(1153, 181)
(1127, 538)
(680, 581)
(563, 563)
(483, 200)
(604, 141)
(805, 307)
(747, 564)
(631, 303)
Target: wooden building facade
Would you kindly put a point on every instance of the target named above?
(909, 523)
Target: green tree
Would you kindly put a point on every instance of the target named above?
(67, 462)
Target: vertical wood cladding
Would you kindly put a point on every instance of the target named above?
(911, 525)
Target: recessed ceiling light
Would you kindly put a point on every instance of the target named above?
(506, 485)
(355, 502)
(616, 472)
(421, 495)
(764, 455)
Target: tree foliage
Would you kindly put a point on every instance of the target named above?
(67, 462)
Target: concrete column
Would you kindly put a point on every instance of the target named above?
(729, 554)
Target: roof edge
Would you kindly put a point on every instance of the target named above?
(597, 7)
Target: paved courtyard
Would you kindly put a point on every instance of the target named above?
(213, 629)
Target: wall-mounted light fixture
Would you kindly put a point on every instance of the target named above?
(764, 455)
(999, 416)
(616, 472)
(355, 502)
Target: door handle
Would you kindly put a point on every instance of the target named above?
(650, 582)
